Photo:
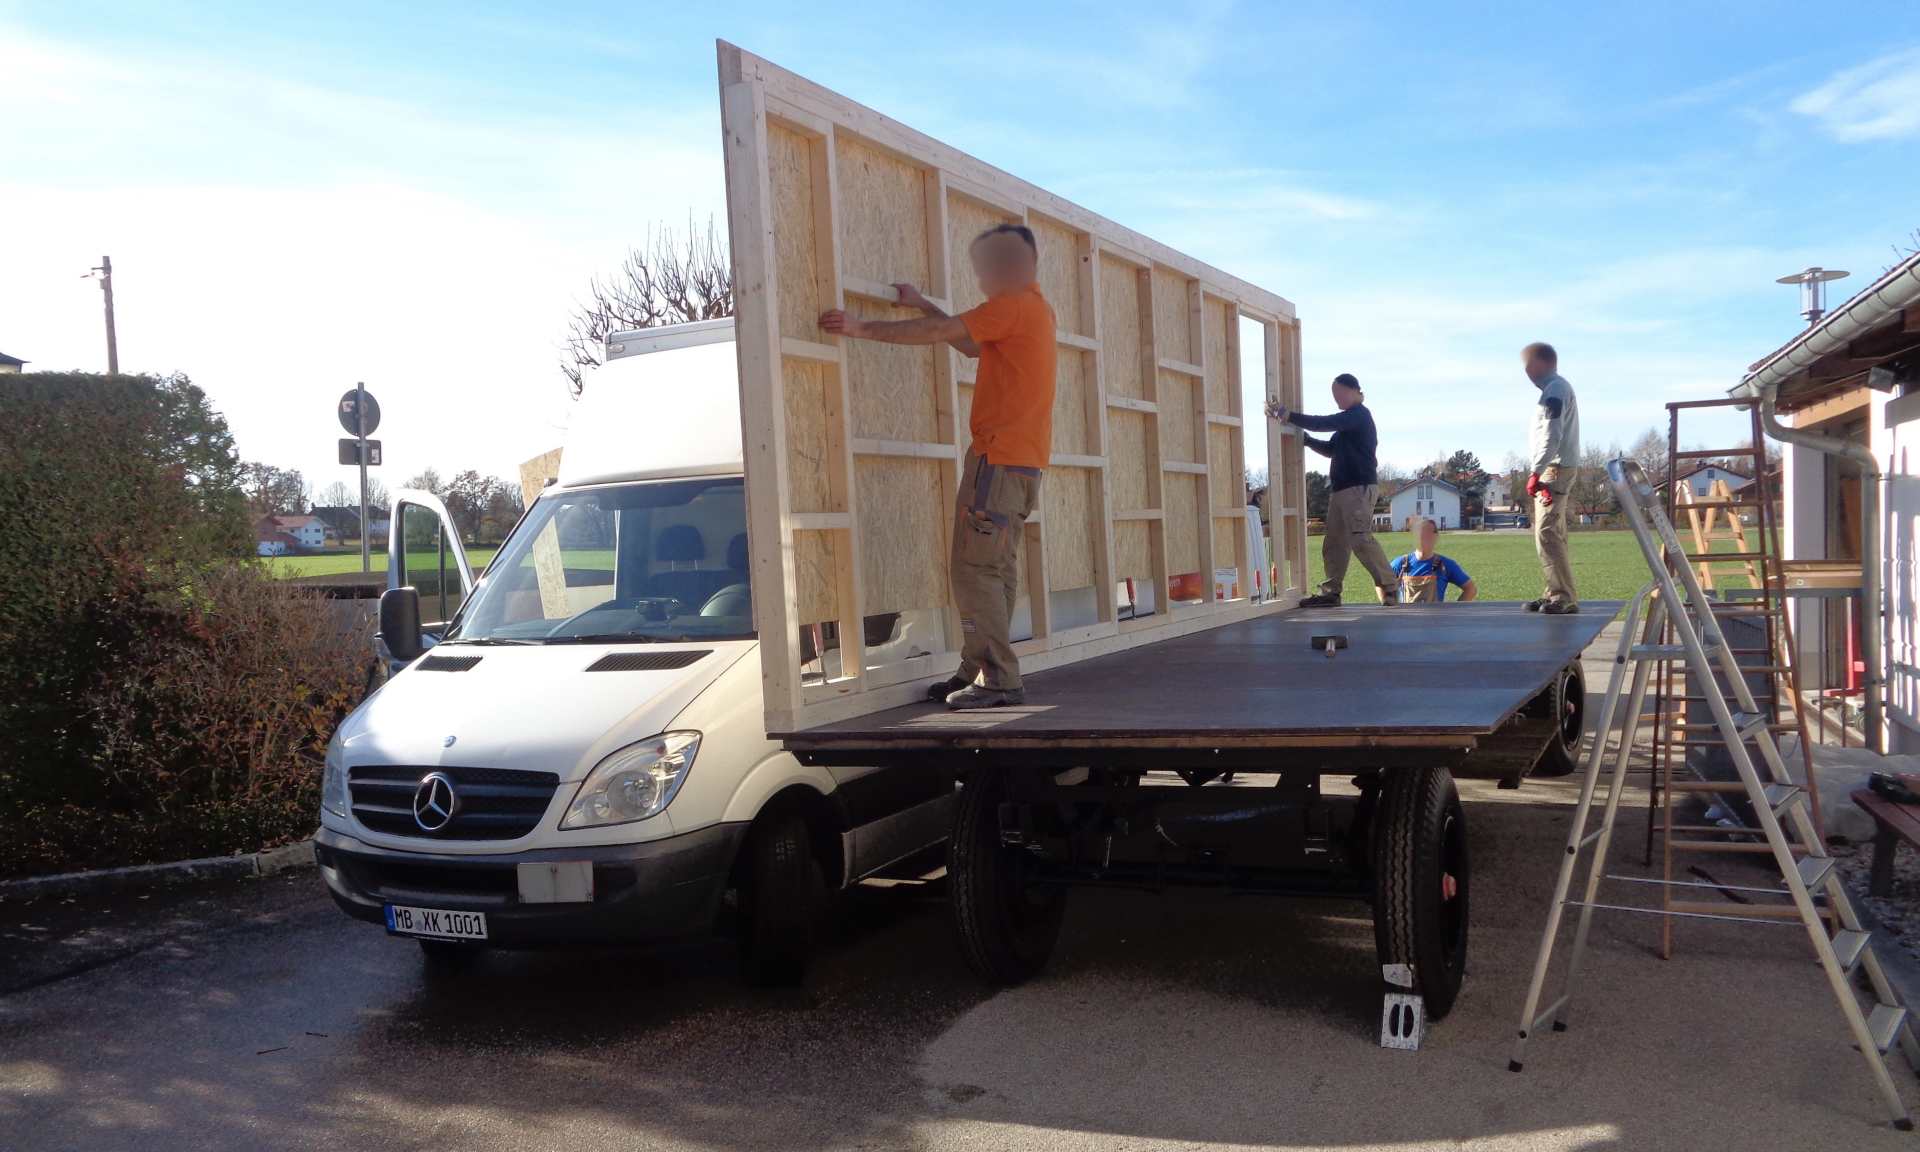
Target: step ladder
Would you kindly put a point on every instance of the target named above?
(1673, 604)
(1679, 734)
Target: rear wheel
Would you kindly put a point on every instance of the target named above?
(1420, 879)
(1007, 924)
(1566, 702)
(780, 900)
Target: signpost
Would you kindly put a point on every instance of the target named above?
(360, 415)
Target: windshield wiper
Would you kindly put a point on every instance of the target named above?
(485, 641)
(611, 638)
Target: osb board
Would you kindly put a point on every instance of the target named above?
(1120, 329)
(963, 419)
(883, 214)
(1177, 438)
(806, 402)
(892, 384)
(1060, 272)
(1133, 550)
(1128, 461)
(1229, 543)
(1072, 382)
(789, 167)
(966, 219)
(535, 473)
(902, 497)
(1067, 507)
(1218, 315)
(814, 557)
(1222, 476)
(1182, 491)
(1172, 334)
(792, 242)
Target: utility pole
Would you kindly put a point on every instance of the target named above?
(105, 269)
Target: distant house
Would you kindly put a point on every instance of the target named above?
(342, 523)
(275, 543)
(1701, 480)
(1428, 497)
(302, 531)
(11, 364)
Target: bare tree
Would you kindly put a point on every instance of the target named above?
(1650, 452)
(338, 495)
(669, 279)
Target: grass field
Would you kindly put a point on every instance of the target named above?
(333, 563)
(1606, 565)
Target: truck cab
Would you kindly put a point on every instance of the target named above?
(573, 746)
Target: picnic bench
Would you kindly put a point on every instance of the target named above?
(1893, 822)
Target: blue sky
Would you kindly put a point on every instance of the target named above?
(414, 195)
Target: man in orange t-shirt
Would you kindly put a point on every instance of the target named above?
(1013, 335)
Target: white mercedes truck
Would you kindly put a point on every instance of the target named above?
(572, 748)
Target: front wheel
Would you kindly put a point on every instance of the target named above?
(1006, 924)
(1420, 879)
(1566, 702)
(780, 901)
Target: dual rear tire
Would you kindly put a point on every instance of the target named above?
(1420, 882)
(1007, 924)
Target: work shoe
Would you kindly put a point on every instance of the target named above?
(1535, 605)
(974, 697)
(1559, 608)
(941, 689)
(1321, 600)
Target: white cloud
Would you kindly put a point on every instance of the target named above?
(1878, 100)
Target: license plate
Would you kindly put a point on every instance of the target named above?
(436, 923)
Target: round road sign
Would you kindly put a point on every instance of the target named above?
(347, 404)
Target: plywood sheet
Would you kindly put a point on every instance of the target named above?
(1218, 314)
(883, 214)
(1072, 384)
(806, 386)
(892, 384)
(1067, 509)
(1183, 522)
(1230, 543)
(1120, 350)
(815, 555)
(1133, 550)
(535, 473)
(906, 532)
(1179, 439)
(1060, 272)
(1224, 476)
(966, 219)
(1172, 316)
(1129, 461)
(789, 168)
(963, 420)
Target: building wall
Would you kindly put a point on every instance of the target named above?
(1444, 506)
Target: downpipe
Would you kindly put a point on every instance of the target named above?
(1870, 587)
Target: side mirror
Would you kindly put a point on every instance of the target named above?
(400, 623)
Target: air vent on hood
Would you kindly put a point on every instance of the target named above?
(447, 663)
(647, 661)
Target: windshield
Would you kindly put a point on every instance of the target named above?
(626, 563)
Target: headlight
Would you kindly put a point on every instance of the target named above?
(634, 783)
(333, 781)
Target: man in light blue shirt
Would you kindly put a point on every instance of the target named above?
(1424, 573)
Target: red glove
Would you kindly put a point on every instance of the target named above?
(1546, 495)
(1533, 484)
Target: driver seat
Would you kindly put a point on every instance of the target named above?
(735, 599)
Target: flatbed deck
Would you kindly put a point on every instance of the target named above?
(1413, 678)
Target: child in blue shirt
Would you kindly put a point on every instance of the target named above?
(1424, 573)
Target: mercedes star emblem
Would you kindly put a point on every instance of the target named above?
(435, 802)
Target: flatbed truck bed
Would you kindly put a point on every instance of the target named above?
(1112, 773)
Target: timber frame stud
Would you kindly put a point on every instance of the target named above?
(853, 451)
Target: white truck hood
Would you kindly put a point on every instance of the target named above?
(532, 707)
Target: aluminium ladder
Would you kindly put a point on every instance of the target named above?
(1674, 600)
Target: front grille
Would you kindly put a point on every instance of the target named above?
(448, 663)
(495, 803)
(485, 884)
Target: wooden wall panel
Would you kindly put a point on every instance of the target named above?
(1171, 316)
(1067, 503)
(891, 384)
(1120, 353)
(1183, 522)
(1230, 543)
(883, 215)
(907, 568)
(850, 446)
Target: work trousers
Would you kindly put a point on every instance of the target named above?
(1550, 537)
(989, 518)
(1350, 533)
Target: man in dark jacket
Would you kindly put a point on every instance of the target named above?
(1355, 484)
